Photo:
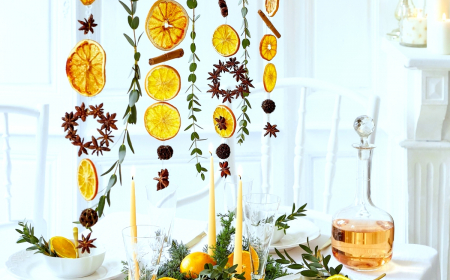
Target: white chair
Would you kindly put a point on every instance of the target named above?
(7, 225)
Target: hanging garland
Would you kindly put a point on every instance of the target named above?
(192, 99)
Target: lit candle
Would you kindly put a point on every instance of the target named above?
(212, 206)
(439, 36)
(414, 30)
(133, 223)
(436, 8)
(237, 257)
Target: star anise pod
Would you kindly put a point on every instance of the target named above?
(221, 123)
(97, 148)
(70, 121)
(271, 130)
(221, 67)
(163, 179)
(232, 63)
(71, 135)
(87, 25)
(239, 92)
(224, 169)
(239, 72)
(96, 110)
(85, 244)
(82, 112)
(105, 137)
(214, 76)
(227, 95)
(246, 82)
(80, 143)
(108, 121)
(215, 90)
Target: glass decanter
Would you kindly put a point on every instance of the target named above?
(363, 235)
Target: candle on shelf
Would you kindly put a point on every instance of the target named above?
(237, 256)
(439, 36)
(414, 30)
(212, 206)
(436, 8)
(133, 226)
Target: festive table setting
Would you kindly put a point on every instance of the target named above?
(258, 238)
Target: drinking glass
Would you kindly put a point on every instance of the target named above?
(143, 251)
(260, 214)
(230, 191)
(162, 210)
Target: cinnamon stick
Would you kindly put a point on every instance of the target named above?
(167, 56)
(269, 24)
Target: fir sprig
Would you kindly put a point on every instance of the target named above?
(130, 116)
(224, 245)
(40, 245)
(282, 222)
(192, 99)
(245, 103)
(171, 268)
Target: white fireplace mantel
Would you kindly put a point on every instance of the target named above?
(418, 127)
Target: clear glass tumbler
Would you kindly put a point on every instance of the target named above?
(260, 214)
(143, 251)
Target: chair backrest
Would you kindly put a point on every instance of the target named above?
(41, 115)
(371, 104)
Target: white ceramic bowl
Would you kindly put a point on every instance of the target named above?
(278, 234)
(76, 268)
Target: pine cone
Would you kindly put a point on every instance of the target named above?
(268, 106)
(88, 218)
(223, 151)
(223, 8)
(164, 152)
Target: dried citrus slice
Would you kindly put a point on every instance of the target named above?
(85, 68)
(162, 121)
(226, 40)
(63, 247)
(272, 7)
(87, 179)
(166, 25)
(270, 77)
(224, 127)
(162, 83)
(87, 2)
(268, 47)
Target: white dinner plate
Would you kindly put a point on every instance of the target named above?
(300, 229)
(29, 266)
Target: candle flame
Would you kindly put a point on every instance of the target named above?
(240, 171)
(133, 171)
(444, 17)
(211, 148)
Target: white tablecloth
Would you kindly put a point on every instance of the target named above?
(412, 262)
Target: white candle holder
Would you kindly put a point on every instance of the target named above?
(413, 27)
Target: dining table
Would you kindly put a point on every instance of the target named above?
(409, 261)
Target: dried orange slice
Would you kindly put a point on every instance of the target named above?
(272, 7)
(162, 121)
(226, 40)
(268, 47)
(85, 68)
(270, 77)
(87, 179)
(229, 123)
(166, 25)
(162, 83)
(87, 2)
(63, 247)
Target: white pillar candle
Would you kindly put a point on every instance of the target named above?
(439, 36)
(436, 8)
(414, 30)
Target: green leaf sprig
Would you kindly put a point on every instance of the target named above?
(192, 99)
(130, 116)
(245, 103)
(282, 222)
(39, 244)
(220, 272)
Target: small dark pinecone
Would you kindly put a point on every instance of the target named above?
(88, 218)
(165, 152)
(223, 8)
(223, 151)
(268, 106)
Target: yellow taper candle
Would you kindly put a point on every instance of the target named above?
(237, 257)
(133, 223)
(212, 207)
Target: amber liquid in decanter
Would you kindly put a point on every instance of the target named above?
(363, 234)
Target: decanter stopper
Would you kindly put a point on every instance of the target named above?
(364, 126)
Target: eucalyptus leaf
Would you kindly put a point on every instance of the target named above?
(125, 7)
(129, 141)
(122, 153)
(135, 23)
(134, 95)
(129, 40)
